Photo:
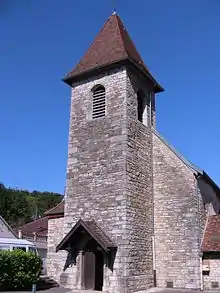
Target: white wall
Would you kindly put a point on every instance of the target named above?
(5, 230)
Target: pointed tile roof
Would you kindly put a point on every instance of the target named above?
(111, 46)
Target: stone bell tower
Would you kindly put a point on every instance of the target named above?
(108, 219)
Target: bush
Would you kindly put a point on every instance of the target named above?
(19, 269)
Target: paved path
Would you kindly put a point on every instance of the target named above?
(152, 290)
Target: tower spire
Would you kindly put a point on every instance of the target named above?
(112, 47)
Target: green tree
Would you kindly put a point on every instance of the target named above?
(18, 207)
(14, 206)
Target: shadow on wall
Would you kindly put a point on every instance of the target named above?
(72, 256)
(210, 198)
(70, 259)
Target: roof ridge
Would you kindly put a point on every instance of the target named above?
(34, 221)
(119, 29)
(124, 34)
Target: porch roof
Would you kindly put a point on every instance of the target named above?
(91, 228)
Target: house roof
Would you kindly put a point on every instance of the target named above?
(111, 46)
(77, 232)
(39, 226)
(211, 240)
(58, 210)
(15, 241)
(8, 227)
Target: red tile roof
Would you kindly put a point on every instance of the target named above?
(58, 210)
(112, 45)
(211, 241)
(40, 226)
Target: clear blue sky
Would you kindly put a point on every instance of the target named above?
(41, 40)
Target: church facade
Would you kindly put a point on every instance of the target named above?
(136, 212)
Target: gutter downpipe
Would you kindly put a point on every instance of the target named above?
(197, 176)
(201, 272)
(153, 202)
(201, 254)
(206, 223)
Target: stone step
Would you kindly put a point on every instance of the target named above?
(46, 283)
(86, 291)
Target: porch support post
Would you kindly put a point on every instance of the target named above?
(81, 274)
(105, 273)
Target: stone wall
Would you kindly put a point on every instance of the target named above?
(123, 175)
(109, 177)
(57, 261)
(139, 187)
(211, 278)
(176, 220)
(96, 167)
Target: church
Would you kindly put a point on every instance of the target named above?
(136, 213)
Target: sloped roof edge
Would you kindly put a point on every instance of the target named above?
(100, 237)
(190, 165)
(8, 226)
(57, 210)
(198, 172)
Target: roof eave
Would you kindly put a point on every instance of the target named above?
(70, 79)
(210, 251)
(74, 77)
(55, 216)
(62, 244)
(157, 87)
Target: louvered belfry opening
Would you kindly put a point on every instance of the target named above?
(98, 103)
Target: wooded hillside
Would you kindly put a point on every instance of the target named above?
(18, 207)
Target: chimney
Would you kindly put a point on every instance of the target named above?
(35, 236)
(20, 234)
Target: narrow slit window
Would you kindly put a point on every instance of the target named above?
(140, 107)
(98, 103)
